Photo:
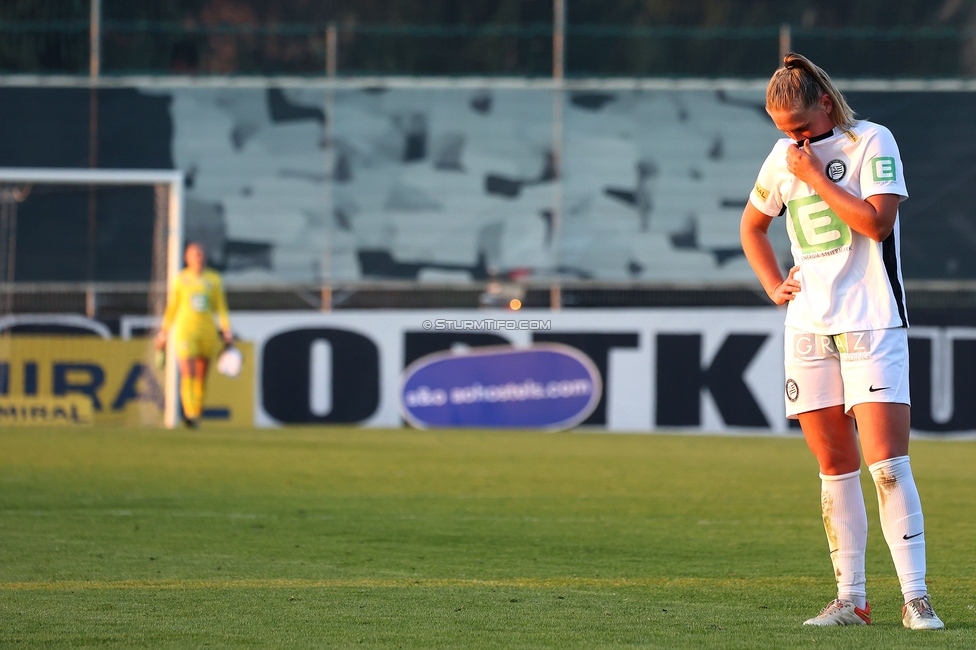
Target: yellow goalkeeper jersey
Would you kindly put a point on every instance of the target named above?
(193, 302)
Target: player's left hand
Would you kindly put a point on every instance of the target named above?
(228, 336)
(803, 163)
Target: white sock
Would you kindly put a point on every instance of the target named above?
(901, 521)
(846, 523)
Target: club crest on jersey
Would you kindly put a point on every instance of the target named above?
(792, 390)
(835, 170)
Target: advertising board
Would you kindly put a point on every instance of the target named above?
(682, 370)
(692, 369)
(544, 386)
(47, 379)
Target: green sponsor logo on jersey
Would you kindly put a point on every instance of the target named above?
(883, 168)
(818, 228)
(200, 302)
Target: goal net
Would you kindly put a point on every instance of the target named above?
(86, 256)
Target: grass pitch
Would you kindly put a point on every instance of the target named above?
(407, 539)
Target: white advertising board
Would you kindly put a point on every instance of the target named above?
(692, 369)
(689, 370)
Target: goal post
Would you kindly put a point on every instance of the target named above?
(16, 184)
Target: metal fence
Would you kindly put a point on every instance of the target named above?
(162, 47)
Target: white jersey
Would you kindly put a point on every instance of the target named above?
(848, 282)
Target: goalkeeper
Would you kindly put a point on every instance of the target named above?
(197, 295)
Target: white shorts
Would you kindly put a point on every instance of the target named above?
(849, 369)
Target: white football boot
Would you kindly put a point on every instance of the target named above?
(917, 614)
(842, 612)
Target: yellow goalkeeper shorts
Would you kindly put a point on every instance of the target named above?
(197, 345)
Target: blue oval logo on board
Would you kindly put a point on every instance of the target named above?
(546, 386)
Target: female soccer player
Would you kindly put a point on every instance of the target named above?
(839, 181)
(196, 296)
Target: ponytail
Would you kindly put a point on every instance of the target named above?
(799, 84)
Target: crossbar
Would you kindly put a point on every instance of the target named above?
(82, 176)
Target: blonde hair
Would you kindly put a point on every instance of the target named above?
(800, 84)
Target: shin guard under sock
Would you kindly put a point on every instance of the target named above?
(902, 523)
(846, 523)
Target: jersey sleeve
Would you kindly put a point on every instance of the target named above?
(881, 168)
(220, 303)
(172, 303)
(765, 195)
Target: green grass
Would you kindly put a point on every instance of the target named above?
(390, 539)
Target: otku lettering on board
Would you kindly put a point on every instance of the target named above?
(943, 372)
(681, 377)
(943, 378)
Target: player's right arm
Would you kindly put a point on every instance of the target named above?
(765, 199)
(754, 233)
